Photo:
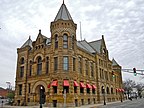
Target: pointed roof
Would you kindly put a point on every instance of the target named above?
(96, 45)
(114, 63)
(27, 43)
(63, 13)
(86, 46)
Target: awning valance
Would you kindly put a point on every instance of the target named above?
(54, 83)
(93, 87)
(88, 86)
(82, 85)
(76, 84)
(65, 83)
(49, 85)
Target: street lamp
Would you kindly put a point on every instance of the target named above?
(42, 97)
(103, 92)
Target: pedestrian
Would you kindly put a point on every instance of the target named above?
(2, 103)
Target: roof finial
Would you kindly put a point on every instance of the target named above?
(63, 1)
(29, 37)
(39, 31)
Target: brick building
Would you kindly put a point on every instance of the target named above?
(62, 65)
(3, 92)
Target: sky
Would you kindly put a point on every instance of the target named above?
(120, 21)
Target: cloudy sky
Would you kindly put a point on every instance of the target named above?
(120, 21)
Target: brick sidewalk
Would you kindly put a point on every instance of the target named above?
(84, 106)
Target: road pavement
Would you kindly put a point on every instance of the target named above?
(135, 103)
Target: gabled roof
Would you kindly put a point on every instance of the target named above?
(96, 45)
(114, 63)
(27, 43)
(86, 46)
(63, 13)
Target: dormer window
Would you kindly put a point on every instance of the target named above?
(22, 60)
(103, 51)
(56, 41)
(65, 41)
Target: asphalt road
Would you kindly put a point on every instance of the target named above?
(135, 103)
(2, 103)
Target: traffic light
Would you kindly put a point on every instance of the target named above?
(134, 70)
(113, 76)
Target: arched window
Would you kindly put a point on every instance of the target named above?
(86, 66)
(56, 41)
(72, 42)
(39, 65)
(111, 90)
(65, 41)
(21, 74)
(30, 68)
(21, 71)
(80, 64)
(107, 90)
(47, 64)
(65, 63)
(22, 60)
(102, 90)
(92, 70)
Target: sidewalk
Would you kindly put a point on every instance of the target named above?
(84, 106)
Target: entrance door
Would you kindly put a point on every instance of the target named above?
(82, 101)
(76, 102)
(54, 103)
(88, 101)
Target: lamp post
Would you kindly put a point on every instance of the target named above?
(103, 91)
(41, 88)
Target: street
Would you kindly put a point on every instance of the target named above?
(135, 103)
(2, 102)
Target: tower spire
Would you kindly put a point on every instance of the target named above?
(63, 1)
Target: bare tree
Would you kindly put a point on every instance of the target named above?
(139, 87)
(128, 85)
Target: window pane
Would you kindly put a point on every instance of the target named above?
(65, 41)
(55, 63)
(39, 66)
(65, 63)
(65, 37)
(21, 71)
(73, 64)
(56, 41)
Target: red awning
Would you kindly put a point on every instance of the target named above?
(88, 86)
(54, 83)
(49, 85)
(93, 87)
(66, 83)
(122, 90)
(82, 85)
(76, 84)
